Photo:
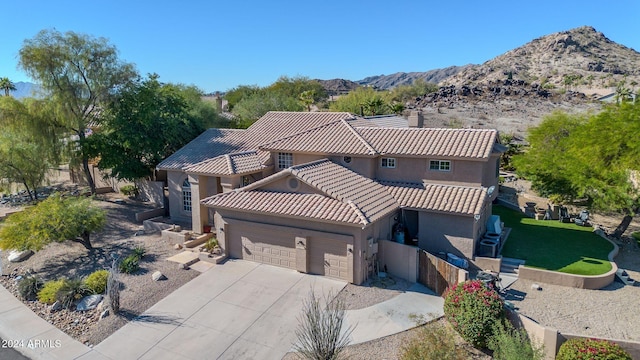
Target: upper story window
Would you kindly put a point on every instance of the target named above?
(440, 165)
(389, 163)
(285, 160)
(186, 195)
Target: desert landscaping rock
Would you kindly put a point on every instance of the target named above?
(18, 256)
(89, 302)
(183, 266)
(56, 306)
(177, 246)
(104, 314)
(157, 276)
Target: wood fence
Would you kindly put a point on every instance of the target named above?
(435, 273)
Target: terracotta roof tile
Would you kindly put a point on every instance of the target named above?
(291, 204)
(272, 126)
(459, 143)
(235, 163)
(334, 138)
(442, 198)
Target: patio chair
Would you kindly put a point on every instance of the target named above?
(582, 219)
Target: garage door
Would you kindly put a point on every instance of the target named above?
(268, 247)
(328, 257)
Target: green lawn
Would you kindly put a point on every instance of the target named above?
(552, 245)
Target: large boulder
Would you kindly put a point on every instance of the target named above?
(88, 302)
(17, 256)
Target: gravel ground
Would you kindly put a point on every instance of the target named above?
(70, 259)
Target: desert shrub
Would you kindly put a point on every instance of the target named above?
(319, 329)
(435, 342)
(509, 343)
(129, 190)
(592, 349)
(71, 291)
(29, 286)
(211, 244)
(130, 264)
(139, 252)
(49, 290)
(97, 281)
(472, 308)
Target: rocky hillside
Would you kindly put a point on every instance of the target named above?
(580, 58)
(384, 82)
(338, 86)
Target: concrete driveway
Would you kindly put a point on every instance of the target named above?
(238, 310)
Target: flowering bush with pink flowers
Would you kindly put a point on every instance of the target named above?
(472, 308)
(592, 349)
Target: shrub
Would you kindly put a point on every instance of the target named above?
(472, 308)
(508, 343)
(130, 264)
(29, 286)
(71, 291)
(129, 190)
(48, 292)
(139, 252)
(435, 342)
(211, 244)
(636, 236)
(592, 349)
(97, 281)
(320, 334)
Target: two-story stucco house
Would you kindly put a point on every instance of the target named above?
(315, 192)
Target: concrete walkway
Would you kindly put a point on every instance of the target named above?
(238, 310)
(416, 306)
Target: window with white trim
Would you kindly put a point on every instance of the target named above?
(389, 163)
(440, 165)
(285, 160)
(186, 195)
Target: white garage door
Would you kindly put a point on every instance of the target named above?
(328, 257)
(268, 247)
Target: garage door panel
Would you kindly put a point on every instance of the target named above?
(274, 248)
(328, 257)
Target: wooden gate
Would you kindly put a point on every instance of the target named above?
(435, 273)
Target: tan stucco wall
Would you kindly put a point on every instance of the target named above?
(364, 166)
(446, 233)
(463, 172)
(400, 260)
(301, 227)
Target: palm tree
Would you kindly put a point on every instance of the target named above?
(374, 105)
(7, 85)
(306, 98)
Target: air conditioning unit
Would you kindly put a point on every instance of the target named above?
(488, 248)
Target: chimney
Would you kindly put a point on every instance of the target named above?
(218, 101)
(416, 119)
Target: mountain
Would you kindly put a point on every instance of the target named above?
(338, 86)
(580, 58)
(384, 82)
(24, 89)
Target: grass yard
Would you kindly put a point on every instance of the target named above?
(552, 245)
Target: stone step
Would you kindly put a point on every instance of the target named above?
(625, 278)
(510, 265)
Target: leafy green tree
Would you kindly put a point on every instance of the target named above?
(235, 95)
(361, 99)
(306, 99)
(595, 158)
(81, 73)
(293, 87)
(419, 87)
(55, 219)
(7, 85)
(251, 108)
(27, 149)
(147, 122)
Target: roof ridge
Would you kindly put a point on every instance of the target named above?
(230, 163)
(359, 137)
(453, 186)
(299, 133)
(363, 219)
(298, 167)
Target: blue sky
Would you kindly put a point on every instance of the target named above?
(218, 45)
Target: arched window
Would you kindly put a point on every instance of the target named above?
(186, 195)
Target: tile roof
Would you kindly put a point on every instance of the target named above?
(334, 138)
(462, 200)
(458, 143)
(209, 144)
(272, 126)
(229, 164)
(367, 199)
(313, 206)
